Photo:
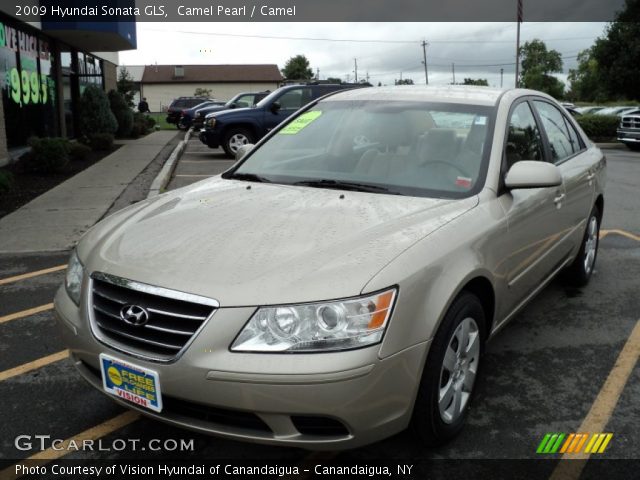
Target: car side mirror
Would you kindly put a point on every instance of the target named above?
(243, 150)
(532, 174)
(275, 106)
(233, 105)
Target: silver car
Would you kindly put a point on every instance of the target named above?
(338, 284)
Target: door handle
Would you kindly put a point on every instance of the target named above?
(559, 198)
(591, 176)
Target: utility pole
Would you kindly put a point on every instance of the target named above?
(519, 21)
(501, 76)
(317, 74)
(453, 73)
(355, 71)
(367, 76)
(424, 61)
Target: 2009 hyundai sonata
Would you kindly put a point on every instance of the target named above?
(339, 282)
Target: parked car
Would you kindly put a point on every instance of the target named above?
(573, 111)
(340, 281)
(182, 103)
(187, 115)
(615, 110)
(241, 100)
(589, 110)
(629, 130)
(233, 128)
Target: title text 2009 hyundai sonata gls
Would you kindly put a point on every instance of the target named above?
(339, 282)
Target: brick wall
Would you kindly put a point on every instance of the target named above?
(110, 75)
(4, 155)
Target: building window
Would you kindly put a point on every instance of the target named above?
(27, 86)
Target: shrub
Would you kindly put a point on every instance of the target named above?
(122, 112)
(95, 113)
(101, 141)
(599, 127)
(140, 124)
(6, 180)
(48, 155)
(79, 151)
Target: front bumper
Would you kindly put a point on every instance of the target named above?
(315, 401)
(210, 138)
(628, 135)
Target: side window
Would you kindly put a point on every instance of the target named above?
(523, 140)
(573, 136)
(294, 99)
(554, 124)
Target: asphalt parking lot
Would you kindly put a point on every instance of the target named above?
(544, 373)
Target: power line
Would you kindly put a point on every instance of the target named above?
(357, 40)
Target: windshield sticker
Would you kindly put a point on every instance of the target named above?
(480, 121)
(300, 122)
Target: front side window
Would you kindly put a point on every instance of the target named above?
(295, 99)
(406, 148)
(523, 138)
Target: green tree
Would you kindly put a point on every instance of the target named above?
(126, 86)
(482, 82)
(617, 55)
(203, 92)
(297, 68)
(334, 80)
(404, 81)
(122, 112)
(537, 64)
(95, 113)
(585, 79)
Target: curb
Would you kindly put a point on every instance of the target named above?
(162, 179)
(611, 146)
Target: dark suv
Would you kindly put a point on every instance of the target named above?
(241, 100)
(182, 103)
(233, 128)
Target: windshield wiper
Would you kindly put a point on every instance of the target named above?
(341, 185)
(249, 177)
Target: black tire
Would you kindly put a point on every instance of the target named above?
(427, 422)
(232, 140)
(580, 271)
(633, 146)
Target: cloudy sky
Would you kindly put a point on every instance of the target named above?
(383, 50)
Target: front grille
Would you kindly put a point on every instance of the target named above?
(630, 122)
(173, 317)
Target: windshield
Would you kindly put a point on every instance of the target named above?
(406, 148)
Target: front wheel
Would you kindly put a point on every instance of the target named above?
(236, 138)
(580, 271)
(450, 372)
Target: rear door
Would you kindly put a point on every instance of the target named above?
(532, 248)
(577, 165)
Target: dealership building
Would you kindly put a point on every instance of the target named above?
(44, 68)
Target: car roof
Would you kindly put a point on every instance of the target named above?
(465, 94)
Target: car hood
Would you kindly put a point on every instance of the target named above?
(255, 244)
(231, 112)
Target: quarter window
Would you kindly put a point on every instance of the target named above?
(560, 141)
(523, 140)
(294, 99)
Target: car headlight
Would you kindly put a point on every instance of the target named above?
(318, 327)
(73, 279)
(211, 122)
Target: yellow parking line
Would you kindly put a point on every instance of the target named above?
(93, 433)
(26, 313)
(27, 367)
(37, 273)
(570, 467)
(624, 233)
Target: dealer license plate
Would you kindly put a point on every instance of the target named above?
(135, 384)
